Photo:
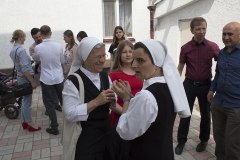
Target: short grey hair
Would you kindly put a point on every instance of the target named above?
(99, 45)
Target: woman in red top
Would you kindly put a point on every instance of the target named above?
(122, 69)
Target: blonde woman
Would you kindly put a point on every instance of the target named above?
(123, 70)
(24, 74)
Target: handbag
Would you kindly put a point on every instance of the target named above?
(22, 89)
(71, 130)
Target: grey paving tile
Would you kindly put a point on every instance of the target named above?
(45, 135)
(4, 123)
(25, 136)
(56, 153)
(25, 140)
(36, 154)
(1, 134)
(7, 157)
(188, 146)
(7, 147)
(56, 148)
(9, 128)
(213, 158)
(178, 157)
(210, 149)
(19, 147)
(6, 152)
(192, 143)
(45, 153)
(37, 136)
(28, 146)
(48, 158)
(187, 156)
(17, 127)
(54, 142)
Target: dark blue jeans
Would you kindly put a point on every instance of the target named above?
(192, 92)
(48, 100)
(56, 101)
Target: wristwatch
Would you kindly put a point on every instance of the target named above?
(124, 100)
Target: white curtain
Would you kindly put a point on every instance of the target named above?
(125, 16)
(109, 18)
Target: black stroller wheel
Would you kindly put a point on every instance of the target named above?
(11, 111)
(19, 102)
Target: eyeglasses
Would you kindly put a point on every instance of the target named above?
(100, 56)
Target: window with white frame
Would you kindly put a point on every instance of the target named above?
(117, 13)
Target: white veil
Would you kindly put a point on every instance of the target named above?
(162, 59)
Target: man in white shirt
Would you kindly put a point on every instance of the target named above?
(50, 54)
(37, 37)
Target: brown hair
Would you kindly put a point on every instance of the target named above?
(114, 41)
(16, 34)
(69, 33)
(82, 34)
(45, 30)
(141, 45)
(117, 64)
(197, 21)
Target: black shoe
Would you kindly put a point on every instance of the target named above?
(59, 108)
(201, 146)
(51, 131)
(46, 113)
(179, 148)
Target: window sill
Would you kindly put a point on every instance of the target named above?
(109, 40)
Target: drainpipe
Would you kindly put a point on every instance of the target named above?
(151, 9)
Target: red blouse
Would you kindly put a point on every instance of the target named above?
(136, 86)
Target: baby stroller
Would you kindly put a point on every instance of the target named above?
(7, 99)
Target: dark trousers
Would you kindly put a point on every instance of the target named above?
(48, 100)
(192, 92)
(226, 132)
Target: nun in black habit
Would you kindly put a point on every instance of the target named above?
(148, 118)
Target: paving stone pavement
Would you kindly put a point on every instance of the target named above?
(19, 144)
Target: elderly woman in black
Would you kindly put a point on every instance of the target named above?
(91, 141)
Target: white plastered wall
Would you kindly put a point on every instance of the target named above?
(61, 15)
(217, 13)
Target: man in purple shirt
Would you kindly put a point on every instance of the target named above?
(37, 37)
(197, 54)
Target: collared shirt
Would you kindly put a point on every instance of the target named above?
(227, 79)
(73, 108)
(23, 60)
(31, 51)
(198, 59)
(142, 111)
(51, 56)
(31, 48)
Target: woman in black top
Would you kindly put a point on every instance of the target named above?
(118, 36)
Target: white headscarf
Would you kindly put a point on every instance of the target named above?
(162, 59)
(82, 52)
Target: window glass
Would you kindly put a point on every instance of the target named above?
(113, 19)
(109, 18)
(125, 16)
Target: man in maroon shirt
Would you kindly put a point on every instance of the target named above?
(197, 54)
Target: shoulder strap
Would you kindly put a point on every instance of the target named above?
(104, 80)
(14, 65)
(81, 86)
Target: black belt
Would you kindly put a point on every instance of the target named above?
(198, 83)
